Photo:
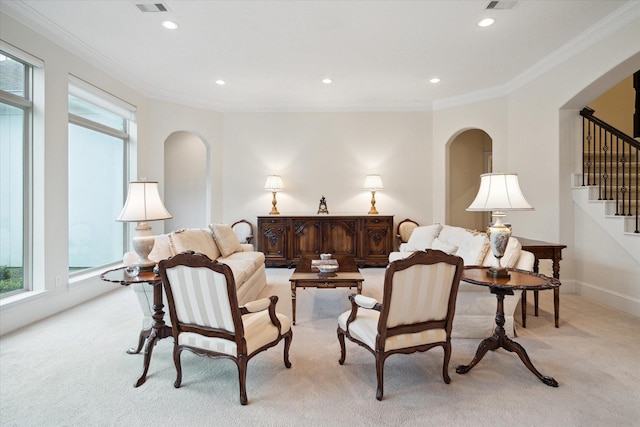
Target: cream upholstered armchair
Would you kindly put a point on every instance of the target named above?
(416, 313)
(243, 230)
(404, 230)
(207, 320)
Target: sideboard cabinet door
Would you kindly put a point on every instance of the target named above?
(377, 240)
(340, 236)
(306, 237)
(273, 241)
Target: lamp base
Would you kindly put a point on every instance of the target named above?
(142, 244)
(274, 210)
(373, 210)
(498, 235)
(498, 273)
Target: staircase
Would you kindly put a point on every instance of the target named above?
(608, 187)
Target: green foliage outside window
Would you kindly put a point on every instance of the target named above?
(10, 279)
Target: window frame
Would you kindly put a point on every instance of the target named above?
(24, 103)
(93, 95)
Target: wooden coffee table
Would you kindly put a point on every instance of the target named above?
(306, 276)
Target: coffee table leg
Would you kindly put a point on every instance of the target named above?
(523, 303)
(293, 301)
(516, 348)
(159, 330)
(500, 340)
(556, 306)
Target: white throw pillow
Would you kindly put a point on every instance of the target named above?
(447, 248)
(473, 249)
(193, 239)
(472, 245)
(226, 239)
(422, 237)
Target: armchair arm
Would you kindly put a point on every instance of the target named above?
(358, 300)
(255, 306)
(263, 304)
(366, 302)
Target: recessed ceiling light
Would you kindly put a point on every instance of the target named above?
(435, 80)
(327, 81)
(170, 25)
(486, 22)
(221, 82)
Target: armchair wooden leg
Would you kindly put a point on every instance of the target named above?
(242, 376)
(380, 375)
(445, 363)
(288, 337)
(176, 360)
(343, 351)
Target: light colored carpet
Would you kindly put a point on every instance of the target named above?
(72, 369)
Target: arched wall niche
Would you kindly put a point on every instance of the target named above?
(469, 154)
(186, 180)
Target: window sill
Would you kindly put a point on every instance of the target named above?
(21, 298)
(91, 277)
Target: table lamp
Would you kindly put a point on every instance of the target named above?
(499, 192)
(143, 204)
(373, 183)
(274, 184)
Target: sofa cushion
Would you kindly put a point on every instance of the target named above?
(226, 239)
(472, 245)
(194, 239)
(422, 237)
(257, 258)
(242, 269)
(447, 248)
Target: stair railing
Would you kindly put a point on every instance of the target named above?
(610, 160)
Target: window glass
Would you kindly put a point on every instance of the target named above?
(12, 76)
(98, 142)
(14, 139)
(96, 194)
(92, 112)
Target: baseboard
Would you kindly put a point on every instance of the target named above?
(612, 299)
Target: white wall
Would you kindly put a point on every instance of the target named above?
(165, 118)
(328, 154)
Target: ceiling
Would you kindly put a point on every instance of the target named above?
(273, 55)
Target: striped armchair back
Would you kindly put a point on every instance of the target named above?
(201, 292)
(200, 297)
(420, 291)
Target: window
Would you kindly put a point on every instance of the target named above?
(98, 142)
(15, 138)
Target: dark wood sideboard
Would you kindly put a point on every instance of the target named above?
(285, 239)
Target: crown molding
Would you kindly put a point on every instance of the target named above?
(25, 14)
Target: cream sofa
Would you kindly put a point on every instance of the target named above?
(475, 305)
(218, 242)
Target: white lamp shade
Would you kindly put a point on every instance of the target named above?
(499, 192)
(274, 183)
(373, 183)
(143, 204)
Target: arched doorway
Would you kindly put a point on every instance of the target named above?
(186, 184)
(469, 157)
